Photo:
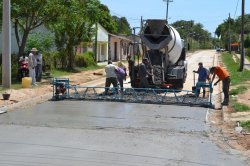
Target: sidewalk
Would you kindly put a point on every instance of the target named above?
(246, 64)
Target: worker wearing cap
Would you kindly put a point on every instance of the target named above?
(203, 76)
(224, 76)
(32, 65)
(143, 74)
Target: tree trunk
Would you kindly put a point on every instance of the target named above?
(23, 43)
(70, 55)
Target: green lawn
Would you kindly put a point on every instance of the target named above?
(237, 77)
(245, 125)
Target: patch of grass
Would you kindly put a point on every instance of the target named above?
(239, 107)
(245, 125)
(90, 68)
(60, 72)
(15, 86)
(233, 68)
(63, 72)
(238, 90)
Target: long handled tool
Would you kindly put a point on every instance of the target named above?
(194, 87)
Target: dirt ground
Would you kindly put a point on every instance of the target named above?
(225, 132)
(224, 123)
(45, 87)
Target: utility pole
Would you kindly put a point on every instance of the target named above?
(6, 41)
(242, 60)
(96, 45)
(229, 31)
(167, 1)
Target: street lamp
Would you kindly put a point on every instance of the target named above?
(167, 1)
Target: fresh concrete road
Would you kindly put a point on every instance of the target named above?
(91, 133)
(68, 133)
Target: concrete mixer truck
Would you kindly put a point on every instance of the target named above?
(165, 51)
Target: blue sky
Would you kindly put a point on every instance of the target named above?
(210, 13)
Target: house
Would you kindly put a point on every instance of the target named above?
(120, 47)
(102, 40)
(109, 46)
(14, 46)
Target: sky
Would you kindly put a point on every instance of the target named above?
(210, 13)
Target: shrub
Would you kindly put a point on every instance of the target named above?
(85, 60)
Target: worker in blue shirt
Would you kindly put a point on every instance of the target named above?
(202, 78)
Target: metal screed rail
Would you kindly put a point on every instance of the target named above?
(63, 90)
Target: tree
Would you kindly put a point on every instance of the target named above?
(223, 32)
(247, 42)
(123, 25)
(43, 42)
(27, 15)
(106, 20)
(74, 25)
(190, 29)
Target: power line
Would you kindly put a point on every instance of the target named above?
(236, 9)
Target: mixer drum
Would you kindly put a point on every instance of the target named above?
(157, 35)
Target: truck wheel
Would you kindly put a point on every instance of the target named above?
(178, 84)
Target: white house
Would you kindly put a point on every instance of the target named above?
(14, 46)
(102, 45)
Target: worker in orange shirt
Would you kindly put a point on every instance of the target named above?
(224, 76)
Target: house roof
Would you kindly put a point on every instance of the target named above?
(120, 37)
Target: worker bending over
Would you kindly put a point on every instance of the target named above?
(224, 76)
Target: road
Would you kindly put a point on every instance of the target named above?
(92, 133)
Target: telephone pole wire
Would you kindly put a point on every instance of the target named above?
(167, 1)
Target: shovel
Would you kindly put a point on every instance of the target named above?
(194, 87)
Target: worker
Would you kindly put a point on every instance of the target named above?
(131, 65)
(122, 66)
(120, 72)
(110, 77)
(202, 78)
(224, 76)
(143, 74)
(32, 65)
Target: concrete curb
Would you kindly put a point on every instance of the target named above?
(3, 110)
(225, 114)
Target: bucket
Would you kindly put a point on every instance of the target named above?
(26, 82)
(6, 96)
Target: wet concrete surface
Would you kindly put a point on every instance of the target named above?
(105, 133)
